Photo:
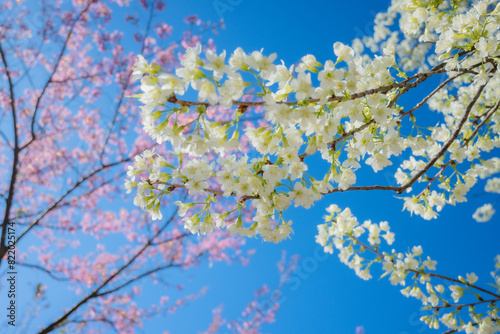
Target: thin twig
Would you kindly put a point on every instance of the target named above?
(56, 66)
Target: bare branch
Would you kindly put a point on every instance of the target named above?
(61, 320)
(75, 186)
(48, 272)
(15, 160)
(56, 66)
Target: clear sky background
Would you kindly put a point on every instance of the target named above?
(329, 297)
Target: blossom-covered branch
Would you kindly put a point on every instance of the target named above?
(343, 231)
(345, 109)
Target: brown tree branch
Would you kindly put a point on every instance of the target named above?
(75, 186)
(56, 66)
(459, 306)
(382, 257)
(419, 77)
(45, 270)
(94, 294)
(454, 136)
(15, 160)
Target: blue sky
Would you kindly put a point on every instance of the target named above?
(331, 298)
(325, 296)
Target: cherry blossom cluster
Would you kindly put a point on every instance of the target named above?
(345, 110)
(485, 212)
(360, 247)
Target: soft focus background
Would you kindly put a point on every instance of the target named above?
(323, 295)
